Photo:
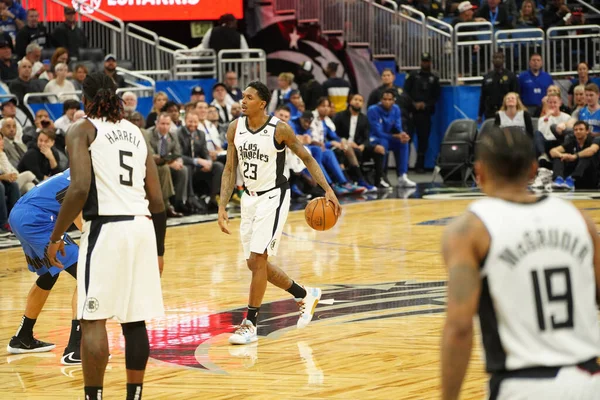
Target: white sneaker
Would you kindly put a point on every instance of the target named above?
(383, 184)
(538, 183)
(307, 306)
(404, 182)
(245, 333)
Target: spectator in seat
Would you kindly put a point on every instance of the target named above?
(110, 69)
(551, 130)
(575, 162)
(591, 112)
(8, 67)
(528, 16)
(13, 17)
(25, 180)
(79, 75)
(130, 101)
(224, 36)
(281, 95)
(33, 32)
(310, 89)
(578, 101)
(167, 151)
(197, 94)
(203, 170)
(495, 13)
(24, 83)
(386, 130)
(9, 110)
(60, 55)
(14, 150)
(236, 110)
(68, 35)
(42, 121)
(33, 53)
(542, 110)
(534, 83)
(158, 102)
(172, 109)
(43, 159)
(68, 118)
(353, 126)
(220, 101)
(337, 89)
(137, 119)
(231, 83)
(514, 113)
(9, 195)
(213, 137)
(554, 13)
(453, 7)
(583, 78)
(61, 85)
(402, 100)
(213, 117)
(295, 104)
(496, 84)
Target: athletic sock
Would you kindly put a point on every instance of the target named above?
(297, 291)
(26, 328)
(75, 337)
(93, 392)
(134, 391)
(252, 314)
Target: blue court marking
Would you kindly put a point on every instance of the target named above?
(437, 222)
(356, 246)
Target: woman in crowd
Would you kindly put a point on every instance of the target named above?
(60, 84)
(160, 99)
(583, 78)
(543, 109)
(25, 180)
(528, 16)
(514, 113)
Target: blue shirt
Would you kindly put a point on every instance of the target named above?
(593, 119)
(298, 129)
(384, 122)
(49, 194)
(10, 26)
(533, 88)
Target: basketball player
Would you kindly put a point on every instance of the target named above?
(258, 143)
(32, 220)
(530, 267)
(112, 175)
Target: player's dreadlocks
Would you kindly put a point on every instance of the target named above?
(102, 101)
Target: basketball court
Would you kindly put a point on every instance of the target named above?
(375, 335)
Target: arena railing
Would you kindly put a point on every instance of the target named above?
(588, 6)
(133, 78)
(386, 30)
(411, 38)
(439, 45)
(518, 45)
(27, 103)
(194, 64)
(473, 49)
(308, 11)
(167, 50)
(142, 47)
(139, 91)
(284, 6)
(567, 46)
(250, 65)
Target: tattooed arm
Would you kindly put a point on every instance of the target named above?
(228, 178)
(465, 243)
(285, 134)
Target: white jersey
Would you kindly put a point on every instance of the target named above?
(261, 159)
(118, 171)
(538, 292)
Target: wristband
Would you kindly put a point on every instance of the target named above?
(160, 228)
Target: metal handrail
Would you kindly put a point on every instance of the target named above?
(589, 6)
(136, 89)
(135, 74)
(135, 31)
(550, 38)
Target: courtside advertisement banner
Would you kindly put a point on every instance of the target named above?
(145, 10)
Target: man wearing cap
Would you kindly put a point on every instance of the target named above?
(423, 89)
(220, 101)
(110, 69)
(68, 35)
(33, 32)
(197, 94)
(337, 89)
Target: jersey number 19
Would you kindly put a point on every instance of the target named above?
(552, 277)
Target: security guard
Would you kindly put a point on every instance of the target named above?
(496, 84)
(423, 88)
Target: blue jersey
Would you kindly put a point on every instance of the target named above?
(592, 118)
(49, 194)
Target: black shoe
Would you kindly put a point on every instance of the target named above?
(72, 355)
(198, 206)
(28, 345)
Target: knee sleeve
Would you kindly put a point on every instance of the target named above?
(137, 347)
(46, 281)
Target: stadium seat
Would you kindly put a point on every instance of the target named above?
(93, 55)
(485, 128)
(455, 161)
(47, 54)
(88, 64)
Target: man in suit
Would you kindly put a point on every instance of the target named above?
(172, 174)
(194, 151)
(13, 149)
(352, 125)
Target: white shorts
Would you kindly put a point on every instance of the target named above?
(571, 383)
(117, 272)
(263, 218)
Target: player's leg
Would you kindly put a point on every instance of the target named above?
(94, 356)
(401, 153)
(72, 353)
(137, 352)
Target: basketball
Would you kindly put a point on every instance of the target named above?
(320, 214)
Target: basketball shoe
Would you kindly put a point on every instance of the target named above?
(72, 355)
(19, 345)
(245, 333)
(307, 306)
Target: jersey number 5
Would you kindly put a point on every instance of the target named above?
(250, 171)
(556, 276)
(125, 180)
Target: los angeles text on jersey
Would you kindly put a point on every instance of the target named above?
(251, 151)
(553, 238)
(118, 135)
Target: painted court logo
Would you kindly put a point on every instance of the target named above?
(186, 340)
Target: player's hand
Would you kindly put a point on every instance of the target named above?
(330, 196)
(223, 220)
(51, 251)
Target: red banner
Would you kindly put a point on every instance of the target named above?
(146, 10)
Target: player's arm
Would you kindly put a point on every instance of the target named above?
(228, 178)
(78, 140)
(460, 245)
(156, 207)
(285, 134)
(596, 241)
